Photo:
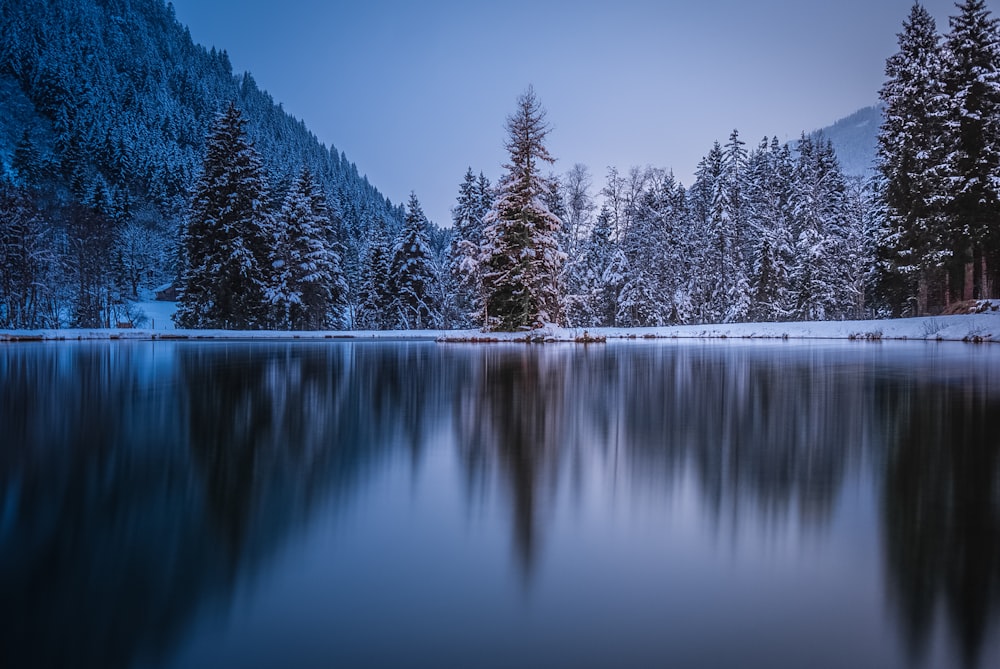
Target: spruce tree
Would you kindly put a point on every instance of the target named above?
(911, 156)
(227, 265)
(521, 258)
(413, 275)
(704, 254)
(731, 298)
(308, 291)
(463, 255)
(818, 211)
(28, 262)
(573, 240)
(374, 296)
(769, 215)
(972, 84)
(600, 282)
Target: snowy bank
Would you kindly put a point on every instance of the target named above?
(980, 327)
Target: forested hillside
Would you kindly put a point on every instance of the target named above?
(855, 138)
(106, 108)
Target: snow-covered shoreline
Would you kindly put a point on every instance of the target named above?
(979, 328)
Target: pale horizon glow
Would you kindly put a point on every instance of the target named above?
(415, 93)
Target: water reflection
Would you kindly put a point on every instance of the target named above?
(941, 510)
(141, 484)
(512, 422)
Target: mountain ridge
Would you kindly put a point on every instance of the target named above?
(855, 139)
(113, 99)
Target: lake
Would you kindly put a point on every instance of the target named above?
(412, 504)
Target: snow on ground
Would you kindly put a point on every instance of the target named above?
(155, 315)
(981, 327)
(156, 323)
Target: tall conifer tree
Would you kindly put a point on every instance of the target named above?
(911, 155)
(227, 235)
(521, 258)
(972, 83)
(413, 275)
(308, 291)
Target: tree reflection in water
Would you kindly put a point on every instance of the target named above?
(941, 510)
(141, 483)
(769, 434)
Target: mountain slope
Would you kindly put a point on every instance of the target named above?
(111, 99)
(855, 139)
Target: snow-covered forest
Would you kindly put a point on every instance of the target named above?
(107, 106)
(132, 159)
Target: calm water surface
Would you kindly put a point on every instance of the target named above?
(638, 504)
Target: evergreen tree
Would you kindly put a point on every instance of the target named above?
(413, 275)
(90, 237)
(521, 259)
(731, 298)
(463, 256)
(701, 201)
(600, 283)
(578, 272)
(862, 218)
(912, 148)
(972, 84)
(579, 209)
(227, 235)
(651, 268)
(28, 262)
(308, 291)
(375, 297)
(818, 211)
(769, 211)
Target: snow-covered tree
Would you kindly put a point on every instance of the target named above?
(374, 299)
(769, 203)
(413, 275)
(307, 290)
(579, 209)
(227, 235)
(520, 257)
(862, 218)
(701, 200)
(730, 300)
(911, 158)
(818, 210)
(28, 262)
(463, 255)
(594, 302)
(972, 84)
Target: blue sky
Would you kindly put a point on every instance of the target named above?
(415, 92)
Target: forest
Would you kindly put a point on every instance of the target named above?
(126, 142)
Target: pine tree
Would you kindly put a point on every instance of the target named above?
(728, 233)
(769, 212)
(818, 211)
(374, 296)
(463, 255)
(972, 84)
(651, 268)
(578, 272)
(28, 262)
(701, 200)
(862, 217)
(600, 283)
(911, 151)
(227, 235)
(413, 275)
(308, 291)
(521, 259)
(579, 209)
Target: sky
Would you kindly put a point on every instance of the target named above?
(415, 92)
